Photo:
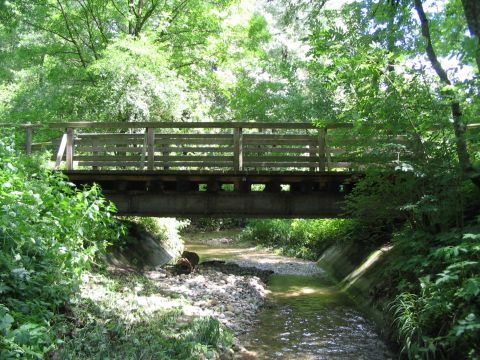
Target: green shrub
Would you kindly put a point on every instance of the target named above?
(208, 331)
(166, 230)
(49, 233)
(112, 321)
(299, 237)
(437, 310)
(214, 224)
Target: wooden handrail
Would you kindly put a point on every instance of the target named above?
(185, 125)
(226, 146)
(193, 125)
(27, 125)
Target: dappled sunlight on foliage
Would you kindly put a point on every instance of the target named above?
(302, 238)
(50, 232)
(402, 74)
(112, 320)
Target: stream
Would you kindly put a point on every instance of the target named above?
(305, 316)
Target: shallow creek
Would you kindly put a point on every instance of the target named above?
(305, 316)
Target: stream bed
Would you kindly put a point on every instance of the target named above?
(305, 316)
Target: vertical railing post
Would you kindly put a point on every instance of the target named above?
(322, 133)
(312, 151)
(70, 148)
(151, 148)
(237, 149)
(28, 138)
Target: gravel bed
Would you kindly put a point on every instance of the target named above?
(232, 299)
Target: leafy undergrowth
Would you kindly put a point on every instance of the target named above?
(50, 232)
(124, 316)
(438, 315)
(303, 238)
(210, 224)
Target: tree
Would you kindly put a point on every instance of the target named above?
(472, 14)
(459, 125)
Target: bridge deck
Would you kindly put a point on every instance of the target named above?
(211, 169)
(222, 194)
(221, 169)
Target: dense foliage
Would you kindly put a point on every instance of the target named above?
(404, 68)
(302, 238)
(49, 233)
(431, 277)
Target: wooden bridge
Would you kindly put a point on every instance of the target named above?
(209, 169)
(220, 169)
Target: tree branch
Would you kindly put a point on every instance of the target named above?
(471, 9)
(458, 125)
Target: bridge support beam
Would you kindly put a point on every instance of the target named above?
(255, 204)
(268, 195)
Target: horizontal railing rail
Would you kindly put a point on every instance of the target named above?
(237, 147)
(29, 146)
(192, 125)
(227, 146)
(234, 146)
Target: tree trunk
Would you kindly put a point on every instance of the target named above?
(471, 8)
(131, 17)
(458, 126)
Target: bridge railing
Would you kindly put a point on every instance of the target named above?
(28, 145)
(237, 147)
(182, 146)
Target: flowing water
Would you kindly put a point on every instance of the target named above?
(305, 316)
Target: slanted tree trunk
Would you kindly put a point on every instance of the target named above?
(459, 126)
(471, 8)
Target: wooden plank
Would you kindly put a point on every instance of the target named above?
(94, 149)
(61, 151)
(313, 153)
(473, 126)
(286, 150)
(237, 149)
(280, 137)
(28, 141)
(192, 164)
(120, 164)
(151, 147)
(199, 149)
(193, 136)
(281, 158)
(321, 149)
(185, 125)
(193, 125)
(70, 149)
(195, 142)
(110, 136)
(306, 164)
(100, 142)
(193, 158)
(136, 157)
(280, 142)
(202, 177)
(6, 125)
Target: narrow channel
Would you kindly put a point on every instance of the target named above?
(305, 316)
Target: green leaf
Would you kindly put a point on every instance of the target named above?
(6, 322)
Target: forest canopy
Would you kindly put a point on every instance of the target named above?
(400, 68)
(407, 65)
